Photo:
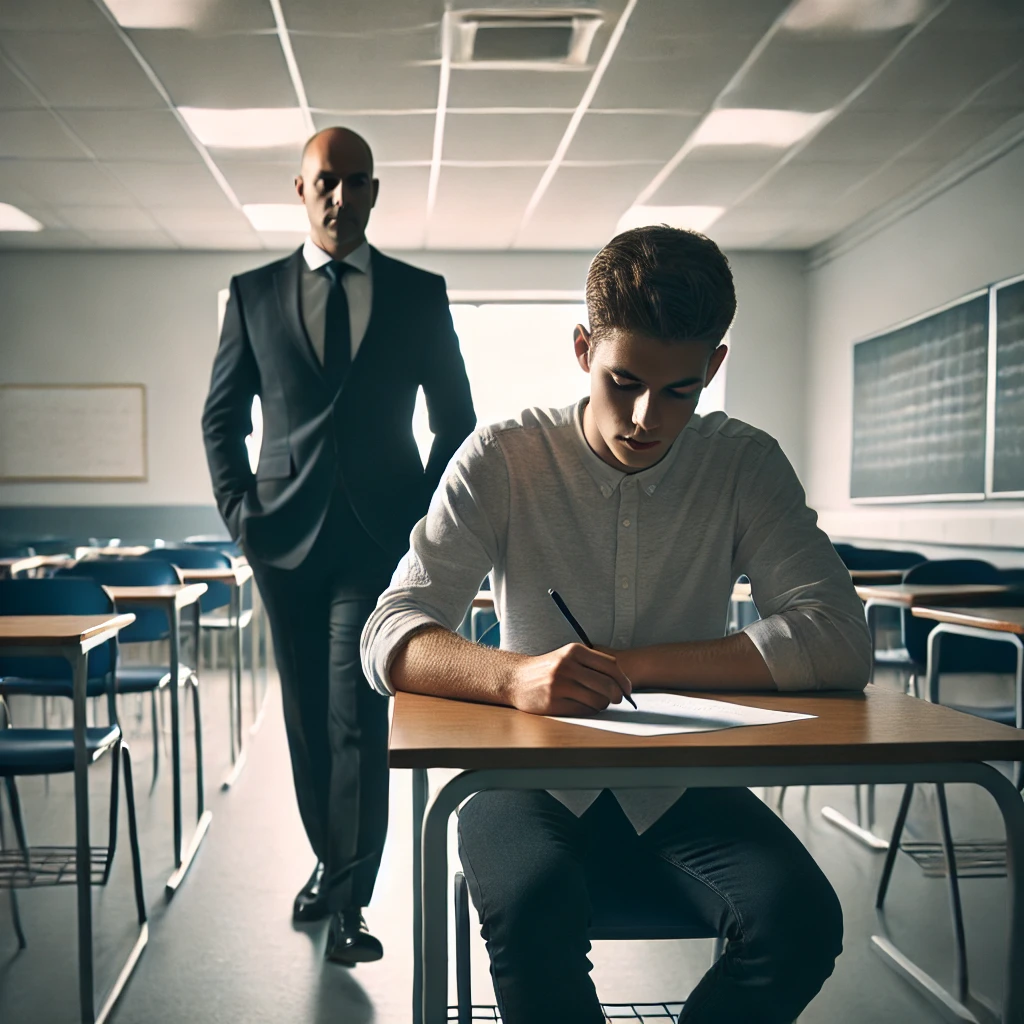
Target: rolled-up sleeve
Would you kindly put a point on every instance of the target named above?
(812, 633)
(451, 550)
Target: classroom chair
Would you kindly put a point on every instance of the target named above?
(151, 625)
(51, 677)
(618, 912)
(876, 558)
(223, 544)
(30, 751)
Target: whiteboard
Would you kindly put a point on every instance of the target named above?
(72, 432)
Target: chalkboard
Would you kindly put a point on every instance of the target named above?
(72, 432)
(1008, 443)
(919, 404)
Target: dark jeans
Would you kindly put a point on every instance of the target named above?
(337, 725)
(531, 865)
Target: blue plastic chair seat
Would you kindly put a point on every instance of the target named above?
(49, 751)
(143, 678)
(11, 685)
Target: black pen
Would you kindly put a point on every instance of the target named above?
(578, 630)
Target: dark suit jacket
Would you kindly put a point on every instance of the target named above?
(315, 438)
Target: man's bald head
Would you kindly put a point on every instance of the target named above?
(323, 142)
(336, 185)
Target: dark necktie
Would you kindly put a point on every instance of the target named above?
(337, 331)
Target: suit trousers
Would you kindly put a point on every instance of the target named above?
(721, 854)
(336, 723)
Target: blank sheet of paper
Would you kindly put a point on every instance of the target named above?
(662, 714)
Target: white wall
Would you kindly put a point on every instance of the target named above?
(963, 239)
(151, 318)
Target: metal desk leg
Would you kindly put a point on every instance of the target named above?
(83, 856)
(1011, 807)
(183, 859)
(238, 753)
(420, 791)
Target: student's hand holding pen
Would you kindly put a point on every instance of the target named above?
(573, 680)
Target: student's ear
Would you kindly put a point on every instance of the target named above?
(581, 343)
(376, 192)
(715, 363)
(299, 187)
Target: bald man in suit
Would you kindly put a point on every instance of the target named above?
(336, 339)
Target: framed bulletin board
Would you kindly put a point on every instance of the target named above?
(73, 432)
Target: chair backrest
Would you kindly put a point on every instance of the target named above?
(150, 623)
(222, 544)
(877, 558)
(16, 550)
(56, 596)
(51, 545)
(218, 594)
(958, 653)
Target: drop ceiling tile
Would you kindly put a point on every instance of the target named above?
(937, 71)
(480, 208)
(71, 183)
(61, 239)
(174, 219)
(357, 85)
(799, 184)
(632, 136)
(156, 184)
(654, 19)
(479, 87)
(14, 94)
(131, 240)
(981, 16)
(503, 136)
(220, 240)
(290, 155)
(400, 217)
(361, 16)
(51, 15)
(959, 133)
(1007, 93)
(35, 135)
(675, 73)
(107, 218)
(261, 183)
(864, 136)
(82, 69)
(582, 206)
(132, 135)
(810, 75)
(220, 71)
(890, 182)
(753, 219)
(391, 137)
(710, 182)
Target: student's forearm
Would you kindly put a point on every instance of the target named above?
(440, 663)
(731, 663)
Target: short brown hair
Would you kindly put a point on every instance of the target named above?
(664, 282)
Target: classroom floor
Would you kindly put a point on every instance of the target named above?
(224, 949)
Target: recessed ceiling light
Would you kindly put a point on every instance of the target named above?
(253, 128)
(159, 13)
(277, 217)
(13, 219)
(853, 15)
(694, 218)
(740, 127)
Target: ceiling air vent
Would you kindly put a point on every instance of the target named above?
(523, 39)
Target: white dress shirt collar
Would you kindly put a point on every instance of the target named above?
(315, 257)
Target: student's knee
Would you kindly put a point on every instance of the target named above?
(802, 936)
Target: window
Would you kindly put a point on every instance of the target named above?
(521, 355)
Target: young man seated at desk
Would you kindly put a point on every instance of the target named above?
(641, 514)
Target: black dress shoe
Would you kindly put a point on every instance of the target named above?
(348, 940)
(311, 903)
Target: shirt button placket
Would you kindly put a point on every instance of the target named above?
(626, 559)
